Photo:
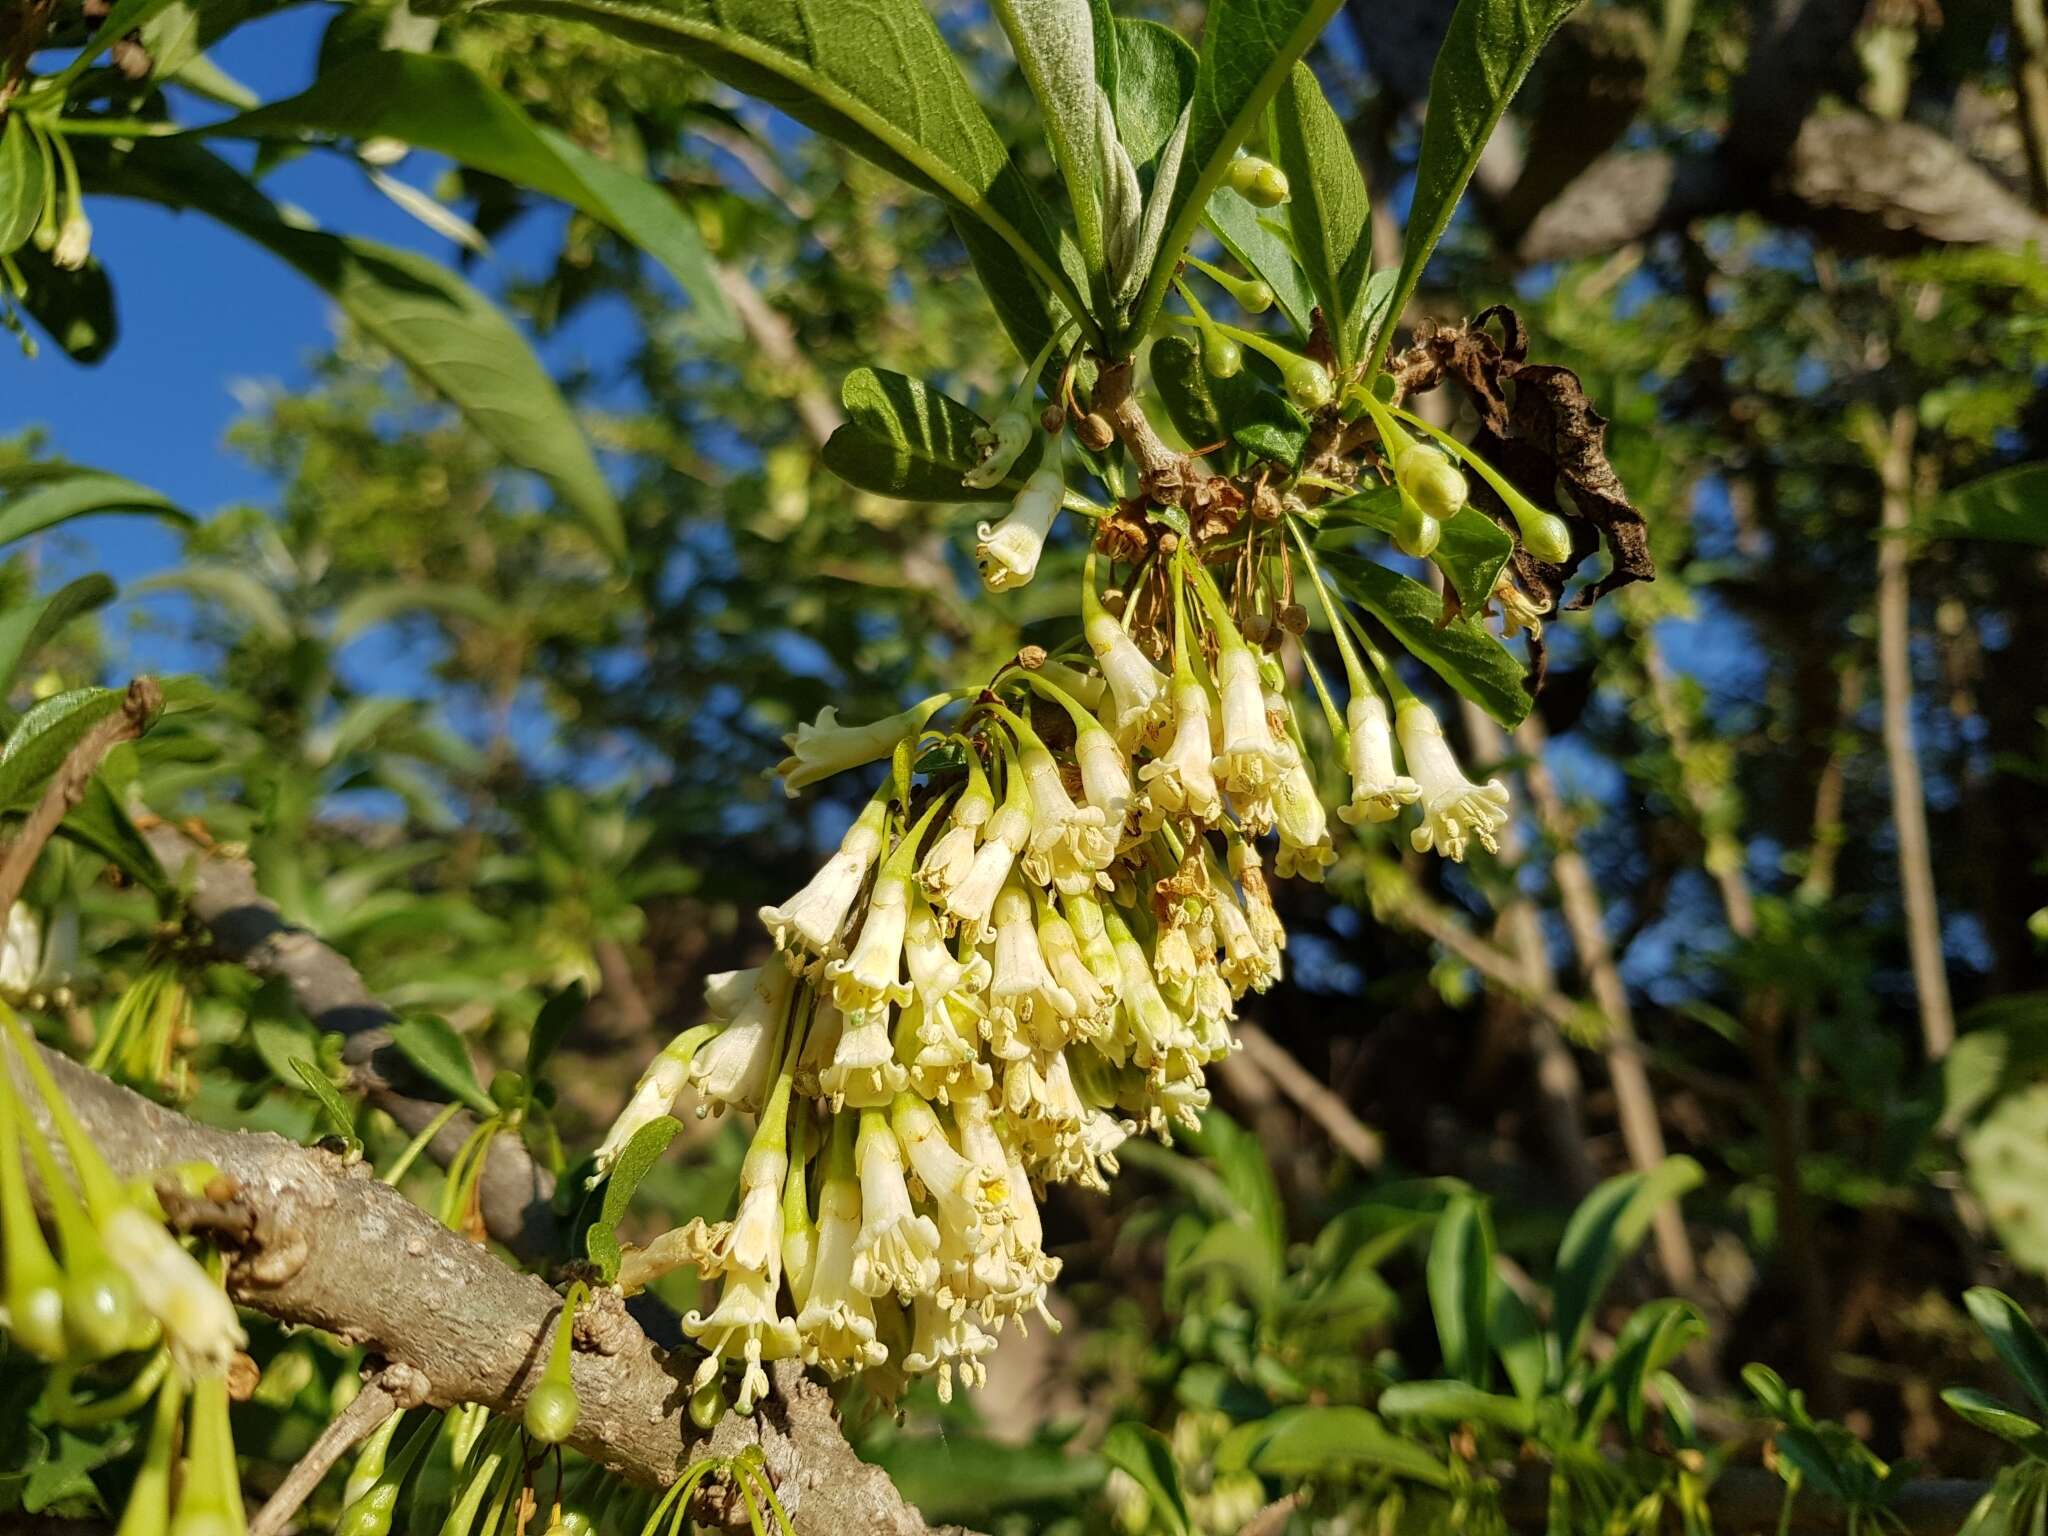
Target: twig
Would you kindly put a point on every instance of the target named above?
(249, 930)
(1894, 459)
(375, 1403)
(776, 342)
(138, 707)
(1113, 398)
(1322, 1105)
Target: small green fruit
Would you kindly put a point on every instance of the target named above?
(552, 1411)
(1259, 182)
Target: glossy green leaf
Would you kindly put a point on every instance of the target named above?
(99, 823)
(1155, 78)
(332, 1104)
(28, 627)
(1460, 1283)
(440, 104)
(22, 176)
(1603, 1231)
(1463, 653)
(1328, 209)
(1248, 46)
(67, 491)
(2010, 506)
(432, 1045)
(1325, 1441)
(1518, 1340)
(44, 737)
(875, 75)
(601, 1243)
(1144, 1455)
(1655, 1334)
(1240, 1157)
(1247, 236)
(1176, 372)
(1990, 1415)
(454, 338)
(557, 1016)
(1457, 1402)
(1485, 56)
(904, 438)
(2015, 1339)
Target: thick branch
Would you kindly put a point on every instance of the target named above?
(334, 1249)
(369, 1408)
(67, 786)
(250, 930)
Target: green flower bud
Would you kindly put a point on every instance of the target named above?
(1544, 534)
(1222, 358)
(1253, 296)
(35, 1299)
(1435, 483)
(99, 1308)
(1259, 182)
(1417, 533)
(551, 1412)
(509, 1091)
(369, 1467)
(1307, 381)
(210, 1502)
(148, 1512)
(707, 1403)
(368, 1516)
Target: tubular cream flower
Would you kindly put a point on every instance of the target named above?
(950, 858)
(1158, 1037)
(969, 902)
(1378, 789)
(1026, 1005)
(1453, 807)
(1105, 769)
(1305, 848)
(655, 1095)
(821, 748)
(1006, 439)
(946, 1342)
(806, 927)
(1246, 963)
(897, 1249)
(1137, 689)
(1182, 780)
(753, 1240)
(734, 1068)
(197, 1318)
(864, 1071)
(967, 1197)
(746, 1325)
(870, 980)
(1063, 958)
(1069, 843)
(1007, 553)
(1249, 760)
(837, 1322)
(1098, 952)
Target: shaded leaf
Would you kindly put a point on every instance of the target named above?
(433, 1046)
(1144, 1455)
(1314, 1442)
(1457, 1402)
(2015, 1339)
(2011, 505)
(22, 174)
(25, 629)
(1460, 1281)
(1461, 652)
(1264, 254)
(601, 1242)
(902, 437)
(1604, 1230)
(954, 1476)
(557, 1016)
(1990, 1415)
(438, 103)
(99, 823)
(332, 1104)
(74, 308)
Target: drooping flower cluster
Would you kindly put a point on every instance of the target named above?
(1028, 946)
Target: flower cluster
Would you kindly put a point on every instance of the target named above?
(1028, 946)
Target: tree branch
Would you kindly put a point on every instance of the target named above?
(515, 1191)
(67, 787)
(331, 1248)
(370, 1407)
(1327, 1109)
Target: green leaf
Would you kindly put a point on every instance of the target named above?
(433, 1046)
(1143, 1454)
(26, 629)
(1654, 1335)
(2005, 1152)
(1155, 78)
(44, 737)
(22, 175)
(1457, 1402)
(440, 104)
(1176, 371)
(74, 308)
(1263, 424)
(1054, 41)
(1264, 254)
(70, 491)
(1327, 209)
(2018, 1343)
(1460, 1277)
(1517, 1340)
(879, 78)
(962, 1477)
(1485, 56)
(1461, 652)
(1248, 46)
(1990, 1415)
(557, 1016)
(454, 338)
(1316, 1442)
(1472, 551)
(332, 1104)
(99, 823)
(1240, 1157)
(1604, 1230)
(2011, 505)
(902, 437)
(601, 1243)
(227, 587)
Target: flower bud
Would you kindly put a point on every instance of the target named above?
(1005, 441)
(1435, 484)
(707, 1404)
(1222, 358)
(1307, 381)
(1545, 535)
(1416, 533)
(369, 1465)
(1259, 182)
(552, 1410)
(1095, 432)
